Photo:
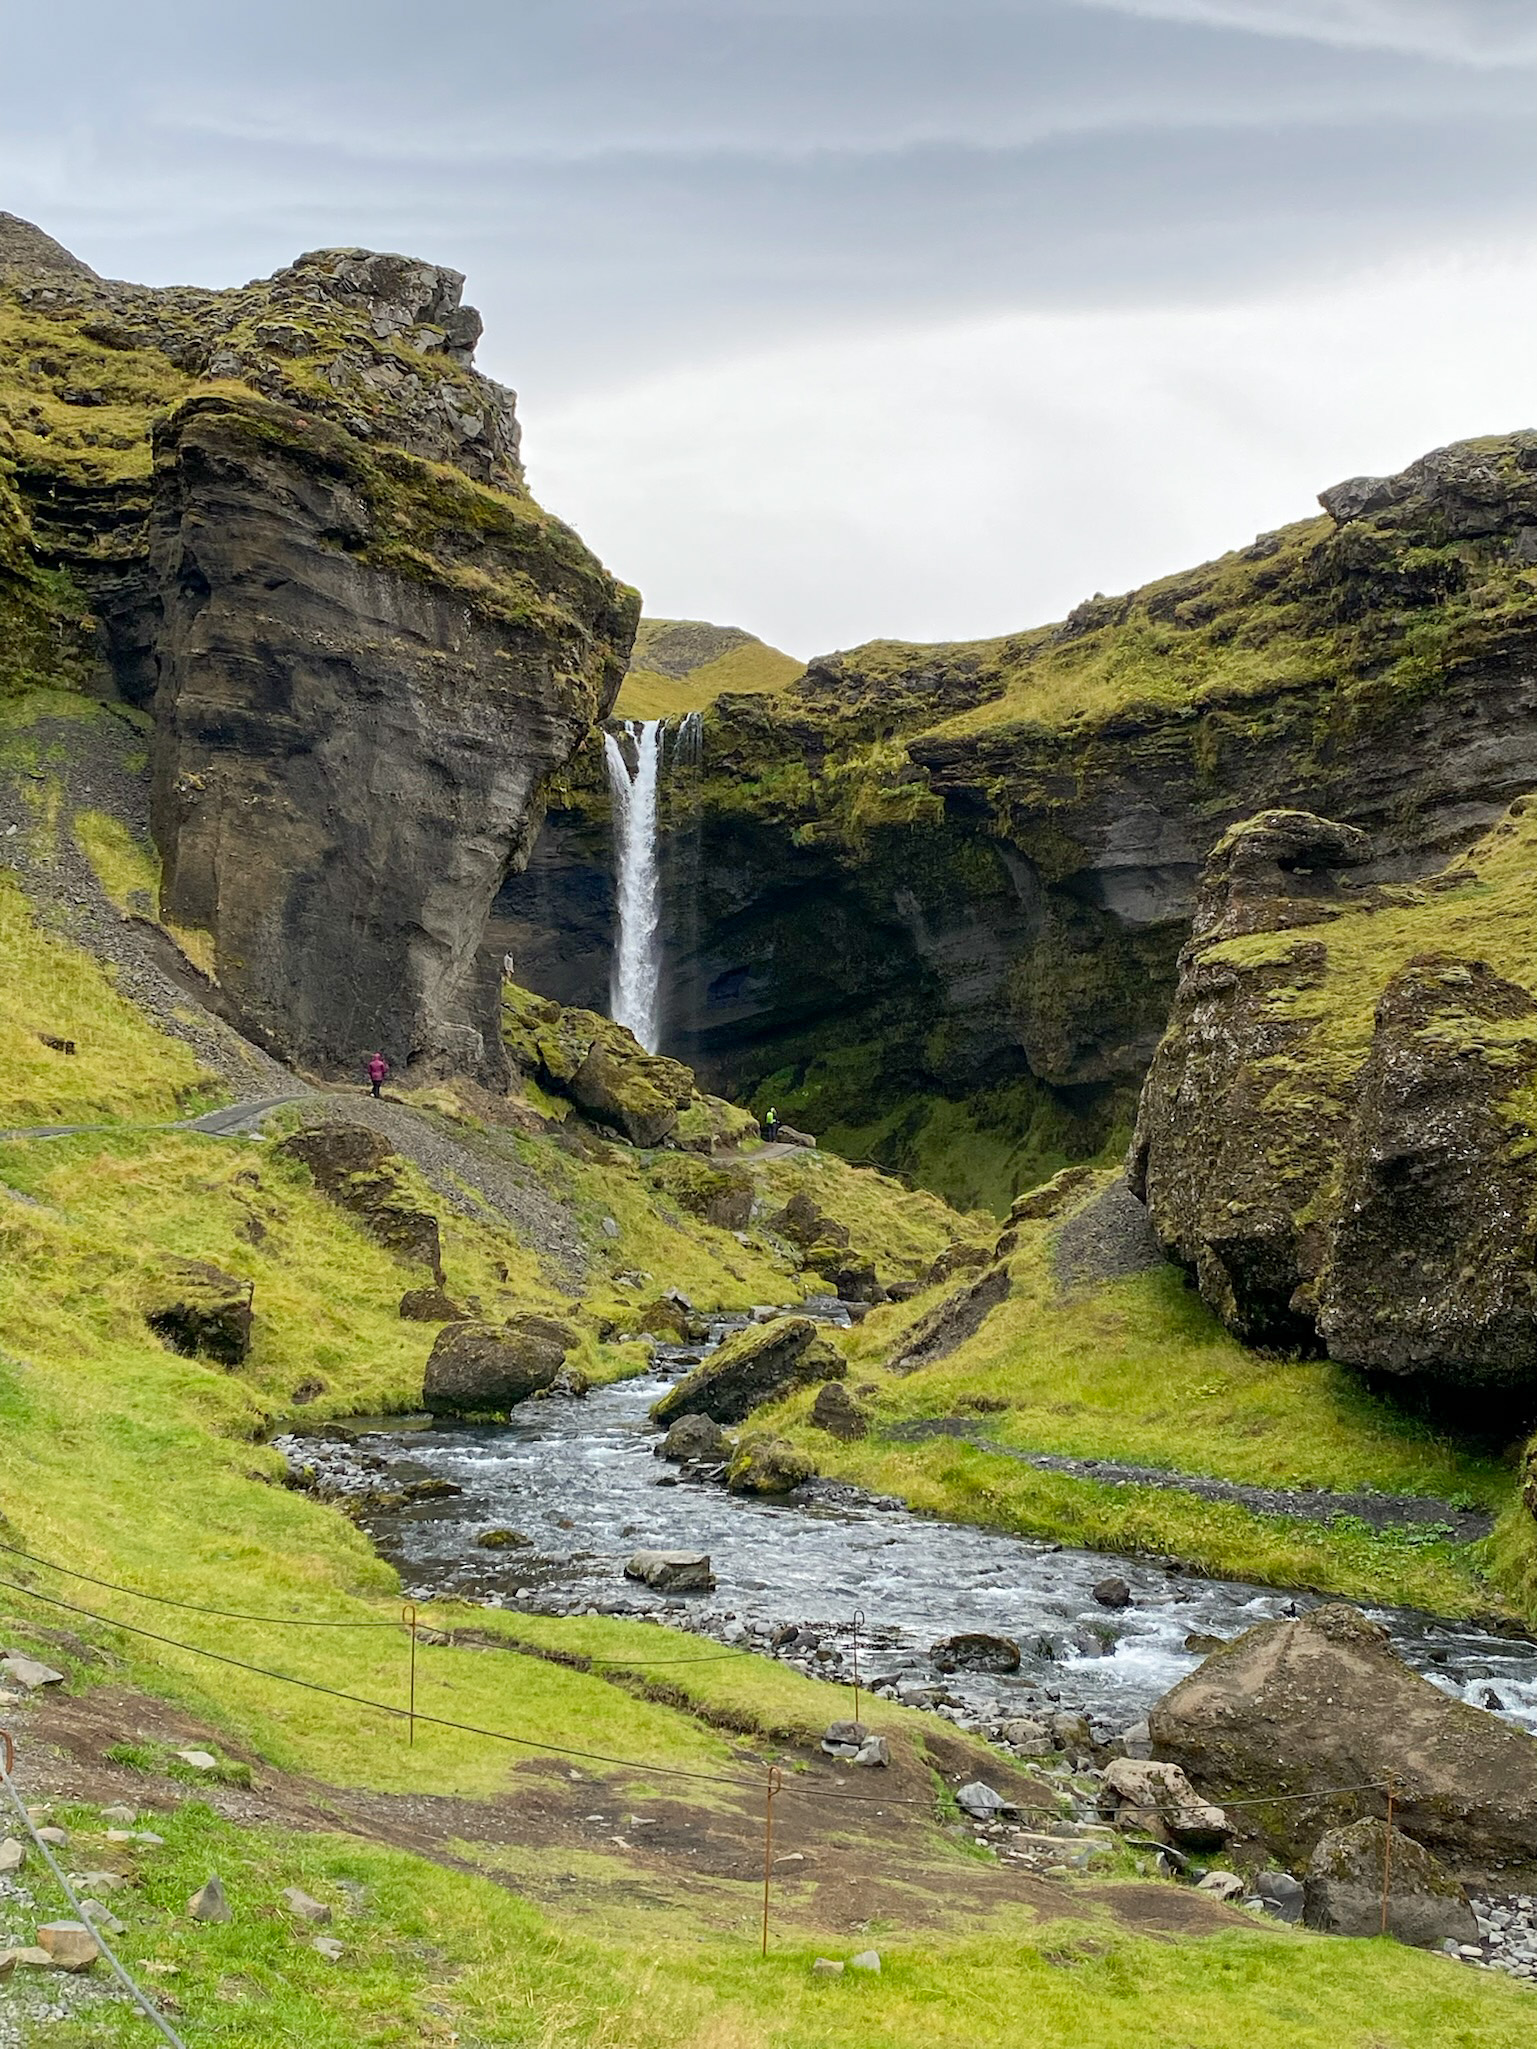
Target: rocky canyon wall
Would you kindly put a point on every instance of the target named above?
(290, 521)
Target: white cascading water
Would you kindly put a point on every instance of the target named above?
(635, 987)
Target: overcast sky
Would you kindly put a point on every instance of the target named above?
(837, 318)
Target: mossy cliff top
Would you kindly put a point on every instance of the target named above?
(683, 665)
(366, 356)
(1398, 585)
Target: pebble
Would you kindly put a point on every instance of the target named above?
(328, 1947)
(209, 1903)
(826, 1967)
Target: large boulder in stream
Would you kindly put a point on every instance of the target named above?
(484, 1369)
(1323, 1702)
(755, 1366)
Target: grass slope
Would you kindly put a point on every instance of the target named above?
(680, 666)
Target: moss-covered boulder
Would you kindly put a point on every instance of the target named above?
(1367, 1879)
(200, 1310)
(755, 1366)
(721, 1195)
(482, 1369)
(599, 1066)
(1338, 1135)
(763, 1464)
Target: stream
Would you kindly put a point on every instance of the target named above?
(578, 1483)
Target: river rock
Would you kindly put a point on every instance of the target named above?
(836, 1411)
(200, 1310)
(976, 1651)
(1030, 1738)
(1112, 1593)
(1157, 1799)
(476, 1368)
(1322, 1700)
(693, 1439)
(754, 1366)
(762, 1464)
(1342, 1893)
(71, 1945)
(671, 1572)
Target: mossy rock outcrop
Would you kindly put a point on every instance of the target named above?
(485, 1369)
(1338, 1135)
(202, 1311)
(755, 1366)
(357, 1169)
(763, 1464)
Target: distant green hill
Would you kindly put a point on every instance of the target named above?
(684, 664)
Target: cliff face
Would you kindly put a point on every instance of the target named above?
(1338, 1134)
(928, 872)
(291, 520)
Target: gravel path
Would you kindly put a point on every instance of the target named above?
(1311, 1505)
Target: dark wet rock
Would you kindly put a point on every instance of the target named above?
(570, 1382)
(1346, 1876)
(666, 1317)
(694, 1439)
(355, 1167)
(1202, 1644)
(753, 1367)
(953, 1322)
(1323, 1701)
(478, 1369)
(763, 1464)
(549, 1330)
(836, 1411)
(850, 1275)
(430, 1305)
(1281, 1893)
(956, 1259)
(1112, 1593)
(804, 1224)
(202, 1311)
(976, 1651)
(502, 1540)
(671, 1572)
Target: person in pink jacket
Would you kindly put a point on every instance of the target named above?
(378, 1068)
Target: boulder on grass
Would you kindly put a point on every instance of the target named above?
(753, 1367)
(836, 1411)
(430, 1305)
(1322, 1701)
(767, 1465)
(72, 1945)
(1343, 1888)
(478, 1369)
(202, 1312)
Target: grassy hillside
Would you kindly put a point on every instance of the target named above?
(682, 665)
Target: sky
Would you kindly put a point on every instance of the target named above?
(843, 319)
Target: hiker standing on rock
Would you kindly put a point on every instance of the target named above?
(771, 1127)
(378, 1069)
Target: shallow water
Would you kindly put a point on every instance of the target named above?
(579, 1480)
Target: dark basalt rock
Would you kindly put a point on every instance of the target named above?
(203, 1312)
(1352, 1868)
(836, 1411)
(478, 1369)
(976, 1651)
(753, 1367)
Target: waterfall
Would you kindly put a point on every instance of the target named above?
(635, 987)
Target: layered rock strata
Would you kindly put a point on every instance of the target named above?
(364, 645)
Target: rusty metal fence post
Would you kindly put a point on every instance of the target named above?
(775, 1781)
(408, 1616)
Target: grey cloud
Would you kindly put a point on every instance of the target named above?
(1471, 31)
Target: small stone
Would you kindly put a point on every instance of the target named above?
(55, 1838)
(1112, 1593)
(70, 1945)
(671, 1572)
(867, 1960)
(28, 1672)
(200, 1760)
(299, 1902)
(1282, 1895)
(148, 1838)
(981, 1802)
(13, 1856)
(121, 1816)
(209, 1903)
(1222, 1885)
(101, 1917)
(609, 1227)
(328, 1947)
(825, 1967)
(33, 1959)
(501, 1540)
(873, 1751)
(99, 1881)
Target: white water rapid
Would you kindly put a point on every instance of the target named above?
(635, 986)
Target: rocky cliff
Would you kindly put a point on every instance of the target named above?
(291, 521)
(939, 893)
(1338, 1134)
